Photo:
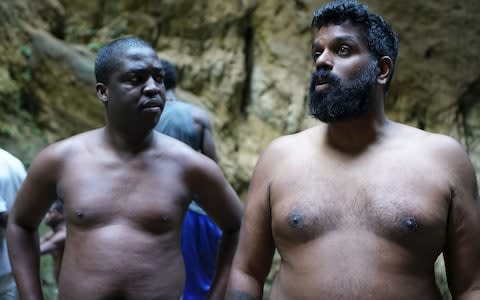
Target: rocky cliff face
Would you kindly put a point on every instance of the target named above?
(247, 62)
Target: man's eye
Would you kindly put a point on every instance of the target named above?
(136, 79)
(316, 55)
(343, 50)
(158, 78)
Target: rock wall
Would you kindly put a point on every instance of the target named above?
(247, 62)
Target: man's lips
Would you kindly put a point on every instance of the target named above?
(321, 84)
(321, 81)
(152, 104)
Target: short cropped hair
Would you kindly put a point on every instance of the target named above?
(107, 56)
(170, 75)
(379, 36)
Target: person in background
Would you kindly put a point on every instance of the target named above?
(358, 207)
(200, 236)
(125, 189)
(53, 241)
(12, 174)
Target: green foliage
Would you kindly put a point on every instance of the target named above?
(9, 130)
(27, 75)
(49, 285)
(26, 51)
(95, 46)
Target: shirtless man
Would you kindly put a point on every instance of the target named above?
(125, 189)
(359, 207)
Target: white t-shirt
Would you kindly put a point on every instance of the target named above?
(12, 174)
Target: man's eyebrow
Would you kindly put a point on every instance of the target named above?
(339, 39)
(345, 38)
(136, 70)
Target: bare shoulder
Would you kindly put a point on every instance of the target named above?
(200, 115)
(289, 145)
(445, 151)
(440, 145)
(288, 149)
(74, 143)
(49, 160)
(176, 151)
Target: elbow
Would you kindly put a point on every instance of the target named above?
(233, 230)
(15, 224)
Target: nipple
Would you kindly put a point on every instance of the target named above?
(295, 220)
(410, 223)
(79, 213)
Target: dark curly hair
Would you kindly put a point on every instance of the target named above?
(107, 56)
(379, 36)
(170, 79)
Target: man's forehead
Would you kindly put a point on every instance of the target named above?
(345, 32)
(136, 53)
(140, 56)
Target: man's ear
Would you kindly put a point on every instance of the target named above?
(384, 69)
(102, 92)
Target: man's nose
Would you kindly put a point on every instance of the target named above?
(152, 87)
(324, 61)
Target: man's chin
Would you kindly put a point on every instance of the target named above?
(322, 113)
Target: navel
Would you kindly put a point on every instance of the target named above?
(296, 221)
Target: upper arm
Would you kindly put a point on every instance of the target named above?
(214, 194)
(462, 253)
(255, 250)
(208, 145)
(37, 192)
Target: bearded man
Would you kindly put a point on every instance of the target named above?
(359, 207)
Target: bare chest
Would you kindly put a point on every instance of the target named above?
(150, 195)
(407, 207)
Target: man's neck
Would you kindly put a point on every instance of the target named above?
(128, 143)
(355, 135)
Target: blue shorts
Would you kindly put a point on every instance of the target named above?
(200, 242)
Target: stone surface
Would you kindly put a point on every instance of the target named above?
(246, 62)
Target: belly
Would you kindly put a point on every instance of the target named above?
(364, 286)
(353, 265)
(121, 262)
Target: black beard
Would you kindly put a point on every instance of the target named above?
(346, 99)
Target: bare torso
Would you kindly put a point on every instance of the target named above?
(367, 226)
(123, 220)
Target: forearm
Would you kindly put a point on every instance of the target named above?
(24, 257)
(54, 242)
(243, 287)
(47, 247)
(228, 244)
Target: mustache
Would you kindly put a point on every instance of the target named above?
(324, 75)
